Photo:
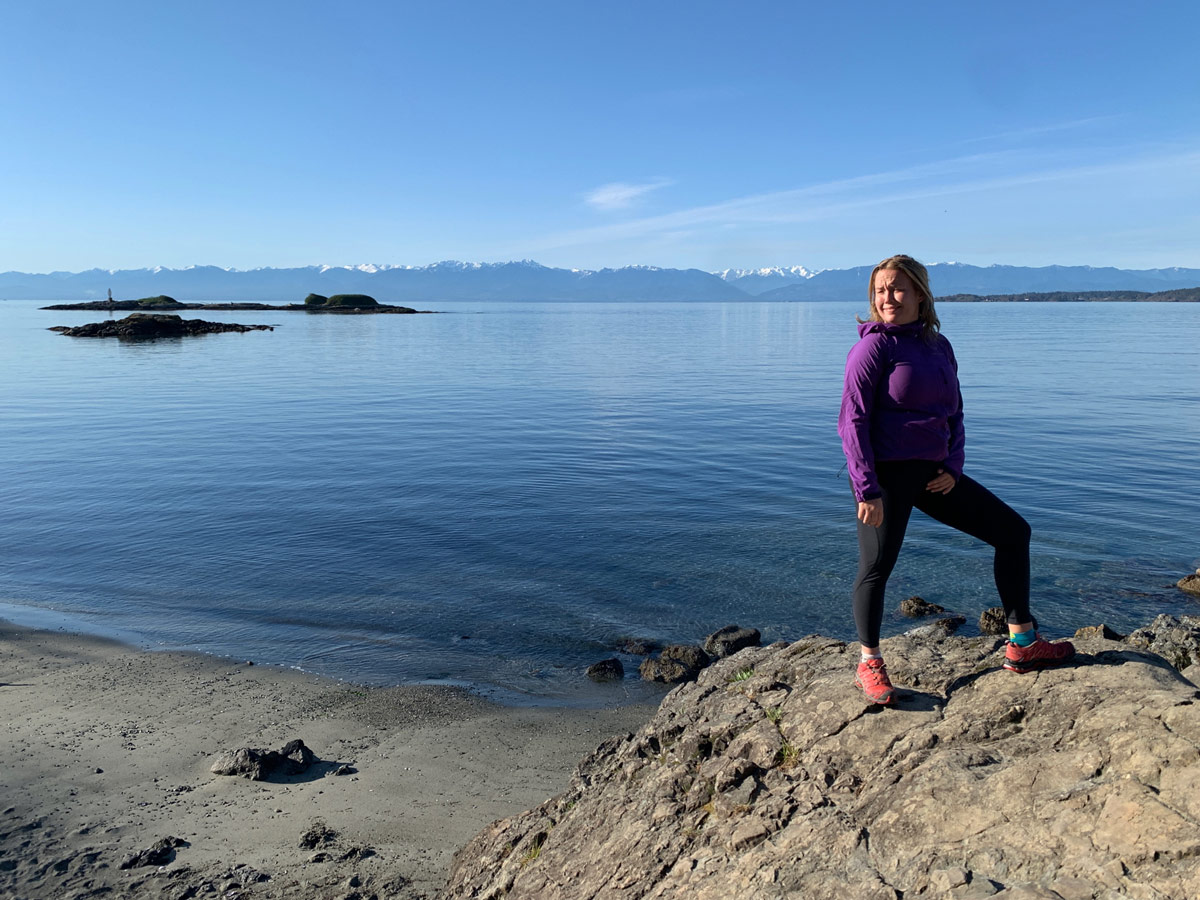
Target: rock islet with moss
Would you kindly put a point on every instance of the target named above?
(338, 303)
(145, 326)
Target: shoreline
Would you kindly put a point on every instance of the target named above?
(108, 750)
(573, 691)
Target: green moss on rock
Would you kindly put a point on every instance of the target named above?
(350, 301)
(160, 300)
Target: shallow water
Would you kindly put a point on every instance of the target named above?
(495, 495)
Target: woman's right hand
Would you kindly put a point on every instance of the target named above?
(870, 512)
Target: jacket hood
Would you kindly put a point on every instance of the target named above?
(913, 328)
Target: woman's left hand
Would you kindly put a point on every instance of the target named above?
(942, 484)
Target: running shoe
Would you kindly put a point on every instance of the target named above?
(1038, 655)
(872, 677)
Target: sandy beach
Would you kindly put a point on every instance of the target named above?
(107, 750)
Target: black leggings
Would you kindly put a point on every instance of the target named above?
(969, 507)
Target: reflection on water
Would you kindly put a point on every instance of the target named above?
(497, 494)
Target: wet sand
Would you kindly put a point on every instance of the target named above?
(107, 749)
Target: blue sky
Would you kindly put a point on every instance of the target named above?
(697, 134)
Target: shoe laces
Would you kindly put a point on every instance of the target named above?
(876, 674)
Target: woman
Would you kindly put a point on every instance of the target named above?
(901, 426)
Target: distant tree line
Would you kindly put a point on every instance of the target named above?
(1182, 295)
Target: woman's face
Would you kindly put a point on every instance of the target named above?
(896, 298)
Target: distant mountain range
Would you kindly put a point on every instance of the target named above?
(527, 280)
(759, 281)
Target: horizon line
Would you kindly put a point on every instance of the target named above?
(376, 268)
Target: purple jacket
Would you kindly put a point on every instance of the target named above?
(901, 401)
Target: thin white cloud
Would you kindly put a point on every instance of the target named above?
(621, 194)
(961, 175)
(1040, 129)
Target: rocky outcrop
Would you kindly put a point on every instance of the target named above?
(1190, 583)
(676, 664)
(348, 301)
(1175, 640)
(919, 608)
(683, 662)
(149, 325)
(770, 777)
(318, 304)
(259, 765)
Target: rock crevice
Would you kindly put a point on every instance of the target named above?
(769, 776)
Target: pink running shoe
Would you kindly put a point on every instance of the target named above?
(1038, 655)
(872, 677)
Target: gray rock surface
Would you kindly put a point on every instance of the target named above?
(1098, 631)
(1176, 640)
(943, 627)
(730, 639)
(1077, 782)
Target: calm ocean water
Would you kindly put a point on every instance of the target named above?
(495, 495)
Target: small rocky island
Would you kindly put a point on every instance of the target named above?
(145, 326)
(314, 303)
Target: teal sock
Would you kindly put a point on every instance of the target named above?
(1023, 638)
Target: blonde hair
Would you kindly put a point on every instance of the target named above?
(919, 275)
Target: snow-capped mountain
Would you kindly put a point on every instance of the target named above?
(798, 273)
(446, 280)
(759, 281)
(527, 280)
